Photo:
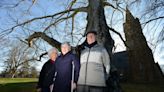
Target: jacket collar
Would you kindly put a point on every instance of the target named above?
(91, 45)
(65, 54)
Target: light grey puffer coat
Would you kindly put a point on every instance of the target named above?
(94, 62)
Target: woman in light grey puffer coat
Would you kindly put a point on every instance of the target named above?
(95, 66)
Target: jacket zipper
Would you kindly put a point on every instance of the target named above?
(86, 68)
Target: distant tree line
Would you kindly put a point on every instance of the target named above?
(19, 61)
(21, 73)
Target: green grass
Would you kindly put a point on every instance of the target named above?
(17, 80)
(134, 87)
(18, 84)
(29, 85)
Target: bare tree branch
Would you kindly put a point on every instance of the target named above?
(13, 5)
(113, 30)
(161, 17)
(109, 4)
(116, 8)
(72, 27)
(61, 19)
(81, 9)
(42, 35)
(40, 57)
(161, 36)
(72, 3)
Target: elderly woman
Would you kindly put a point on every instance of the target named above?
(63, 66)
(46, 74)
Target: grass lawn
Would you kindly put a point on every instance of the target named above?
(18, 84)
(29, 84)
(134, 87)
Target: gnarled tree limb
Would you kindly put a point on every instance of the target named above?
(42, 35)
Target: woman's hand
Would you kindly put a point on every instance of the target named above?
(38, 89)
(74, 86)
(51, 87)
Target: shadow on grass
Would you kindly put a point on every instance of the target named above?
(142, 87)
(18, 87)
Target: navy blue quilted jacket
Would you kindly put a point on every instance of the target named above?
(63, 67)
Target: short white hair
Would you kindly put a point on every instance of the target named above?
(53, 50)
(67, 43)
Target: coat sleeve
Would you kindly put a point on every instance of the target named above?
(54, 73)
(77, 68)
(41, 77)
(106, 61)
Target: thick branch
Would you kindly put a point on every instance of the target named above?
(108, 4)
(42, 56)
(42, 35)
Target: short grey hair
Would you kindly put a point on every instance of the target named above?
(53, 50)
(67, 43)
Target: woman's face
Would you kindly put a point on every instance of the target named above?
(91, 38)
(53, 55)
(65, 48)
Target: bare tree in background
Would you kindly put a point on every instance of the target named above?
(18, 57)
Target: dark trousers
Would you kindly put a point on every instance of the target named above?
(85, 88)
(45, 89)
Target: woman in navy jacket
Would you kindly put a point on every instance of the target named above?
(63, 67)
